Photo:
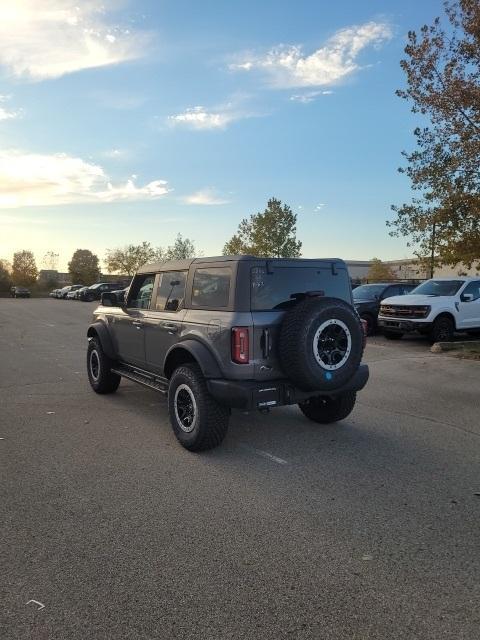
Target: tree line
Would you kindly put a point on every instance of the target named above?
(271, 233)
(442, 220)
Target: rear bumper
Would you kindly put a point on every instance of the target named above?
(250, 394)
(404, 326)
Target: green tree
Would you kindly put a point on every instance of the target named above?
(442, 68)
(379, 271)
(24, 268)
(182, 249)
(271, 234)
(83, 267)
(5, 275)
(127, 260)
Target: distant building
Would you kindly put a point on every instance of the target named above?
(408, 269)
(52, 275)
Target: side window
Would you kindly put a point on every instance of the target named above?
(171, 291)
(393, 291)
(473, 289)
(141, 292)
(211, 287)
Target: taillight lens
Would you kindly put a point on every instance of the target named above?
(240, 346)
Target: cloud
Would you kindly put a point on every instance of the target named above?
(309, 96)
(5, 112)
(288, 66)
(29, 179)
(200, 118)
(116, 154)
(205, 197)
(47, 39)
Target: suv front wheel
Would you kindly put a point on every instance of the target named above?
(99, 365)
(326, 410)
(198, 421)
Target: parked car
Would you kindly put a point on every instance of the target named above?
(53, 293)
(436, 308)
(95, 291)
(80, 292)
(121, 295)
(68, 289)
(63, 292)
(367, 299)
(20, 292)
(72, 294)
(235, 332)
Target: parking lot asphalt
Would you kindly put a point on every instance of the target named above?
(364, 530)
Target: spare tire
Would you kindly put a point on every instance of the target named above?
(321, 343)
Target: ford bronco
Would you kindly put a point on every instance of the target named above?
(233, 332)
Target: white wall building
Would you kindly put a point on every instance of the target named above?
(408, 269)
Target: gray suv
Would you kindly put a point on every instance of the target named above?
(236, 332)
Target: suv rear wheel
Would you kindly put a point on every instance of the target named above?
(327, 410)
(198, 420)
(101, 378)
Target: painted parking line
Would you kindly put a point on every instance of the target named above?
(263, 454)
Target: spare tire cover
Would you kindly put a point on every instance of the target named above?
(321, 343)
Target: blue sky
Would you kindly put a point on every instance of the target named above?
(129, 121)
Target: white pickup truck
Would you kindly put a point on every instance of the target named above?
(436, 308)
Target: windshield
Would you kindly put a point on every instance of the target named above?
(368, 292)
(438, 288)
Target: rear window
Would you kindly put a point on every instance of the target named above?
(278, 288)
(211, 287)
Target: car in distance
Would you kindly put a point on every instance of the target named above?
(94, 292)
(367, 299)
(79, 293)
(62, 294)
(20, 292)
(72, 294)
(436, 308)
(238, 332)
(120, 295)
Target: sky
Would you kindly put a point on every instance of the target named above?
(123, 121)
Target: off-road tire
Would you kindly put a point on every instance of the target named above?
(393, 335)
(302, 352)
(210, 422)
(442, 330)
(325, 410)
(102, 380)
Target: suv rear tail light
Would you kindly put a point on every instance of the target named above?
(240, 346)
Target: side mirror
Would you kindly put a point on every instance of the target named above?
(467, 297)
(109, 299)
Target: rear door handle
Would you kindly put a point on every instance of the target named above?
(168, 326)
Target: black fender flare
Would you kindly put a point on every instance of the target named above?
(99, 329)
(199, 352)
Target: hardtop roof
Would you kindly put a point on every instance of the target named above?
(183, 265)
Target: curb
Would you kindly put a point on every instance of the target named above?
(439, 347)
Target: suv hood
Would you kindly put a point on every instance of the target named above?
(414, 299)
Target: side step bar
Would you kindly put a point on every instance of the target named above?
(157, 383)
